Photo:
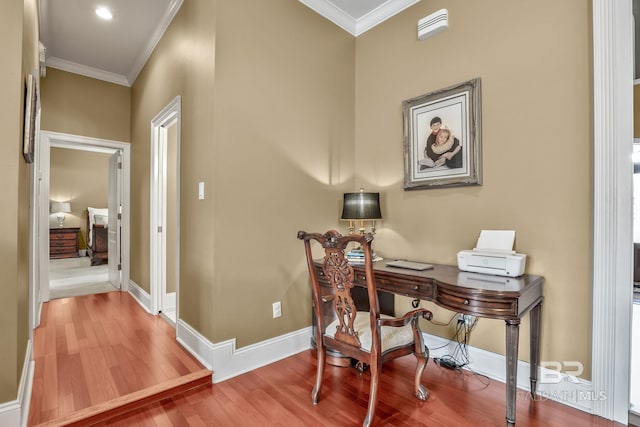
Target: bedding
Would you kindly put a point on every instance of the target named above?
(97, 222)
(103, 213)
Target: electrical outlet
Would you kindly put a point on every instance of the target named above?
(467, 319)
(277, 309)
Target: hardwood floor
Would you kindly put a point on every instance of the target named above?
(94, 349)
(276, 395)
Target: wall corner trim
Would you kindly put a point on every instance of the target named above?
(140, 295)
(16, 413)
(226, 361)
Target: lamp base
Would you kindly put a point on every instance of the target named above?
(60, 221)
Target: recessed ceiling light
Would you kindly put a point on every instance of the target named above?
(104, 13)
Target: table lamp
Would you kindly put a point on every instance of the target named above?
(60, 208)
(361, 207)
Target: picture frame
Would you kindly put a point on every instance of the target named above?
(30, 104)
(448, 154)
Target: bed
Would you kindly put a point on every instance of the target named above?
(97, 223)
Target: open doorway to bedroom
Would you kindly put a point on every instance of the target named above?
(83, 204)
(79, 194)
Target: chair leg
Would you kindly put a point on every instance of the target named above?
(315, 394)
(422, 354)
(375, 368)
(420, 391)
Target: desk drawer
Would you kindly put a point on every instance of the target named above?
(409, 287)
(481, 306)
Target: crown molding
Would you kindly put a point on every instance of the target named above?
(163, 24)
(353, 26)
(84, 70)
(381, 14)
(333, 14)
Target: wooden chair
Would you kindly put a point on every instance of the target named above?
(367, 337)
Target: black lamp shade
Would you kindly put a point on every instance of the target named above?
(361, 206)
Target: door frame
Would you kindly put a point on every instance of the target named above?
(84, 143)
(612, 297)
(169, 114)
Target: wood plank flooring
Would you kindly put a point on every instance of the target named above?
(276, 395)
(92, 349)
(280, 395)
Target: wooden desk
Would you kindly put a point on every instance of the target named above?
(493, 297)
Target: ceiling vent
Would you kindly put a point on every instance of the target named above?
(433, 24)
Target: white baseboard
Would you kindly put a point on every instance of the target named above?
(16, 413)
(140, 295)
(551, 385)
(227, 362)
(170, 301)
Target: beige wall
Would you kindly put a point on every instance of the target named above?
(80, 105)
(81, 178)
(284, 134)
(268, 127)
(182, 64)
(18, 44)
(536, 131)
(279, 126)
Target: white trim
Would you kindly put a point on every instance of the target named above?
(227, 362)
(612, 210)
(84, 70)
(157, 240)
(16, 413)
(381, 14)
(55, 139)
(35, 226)
(170, 301)
(146, 52)
(10, 414)
(140, 295)
(195, 343)
(358, 26)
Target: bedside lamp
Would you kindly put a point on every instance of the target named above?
(361, 207)
(60, 208)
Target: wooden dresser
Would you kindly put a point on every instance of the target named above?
(63, 242)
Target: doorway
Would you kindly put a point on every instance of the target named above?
(78, 182)
(120, 191)
(165, 211)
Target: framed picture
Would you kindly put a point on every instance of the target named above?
(30, 102)
(442, 138)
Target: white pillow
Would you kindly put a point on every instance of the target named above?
(92, 213)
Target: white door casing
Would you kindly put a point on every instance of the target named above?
(76, 142)
(113, 230)
(169, 116)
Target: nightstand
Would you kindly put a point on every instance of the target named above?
(63, 242)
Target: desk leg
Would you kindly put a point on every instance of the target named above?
(513, 329)
(534, 347)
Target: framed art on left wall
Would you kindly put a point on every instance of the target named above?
(30, 103)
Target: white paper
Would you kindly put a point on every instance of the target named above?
(496, 241)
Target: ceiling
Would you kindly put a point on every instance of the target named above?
(76, 40)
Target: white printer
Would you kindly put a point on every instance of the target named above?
(493, 254)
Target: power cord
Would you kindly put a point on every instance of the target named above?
(460, 356)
